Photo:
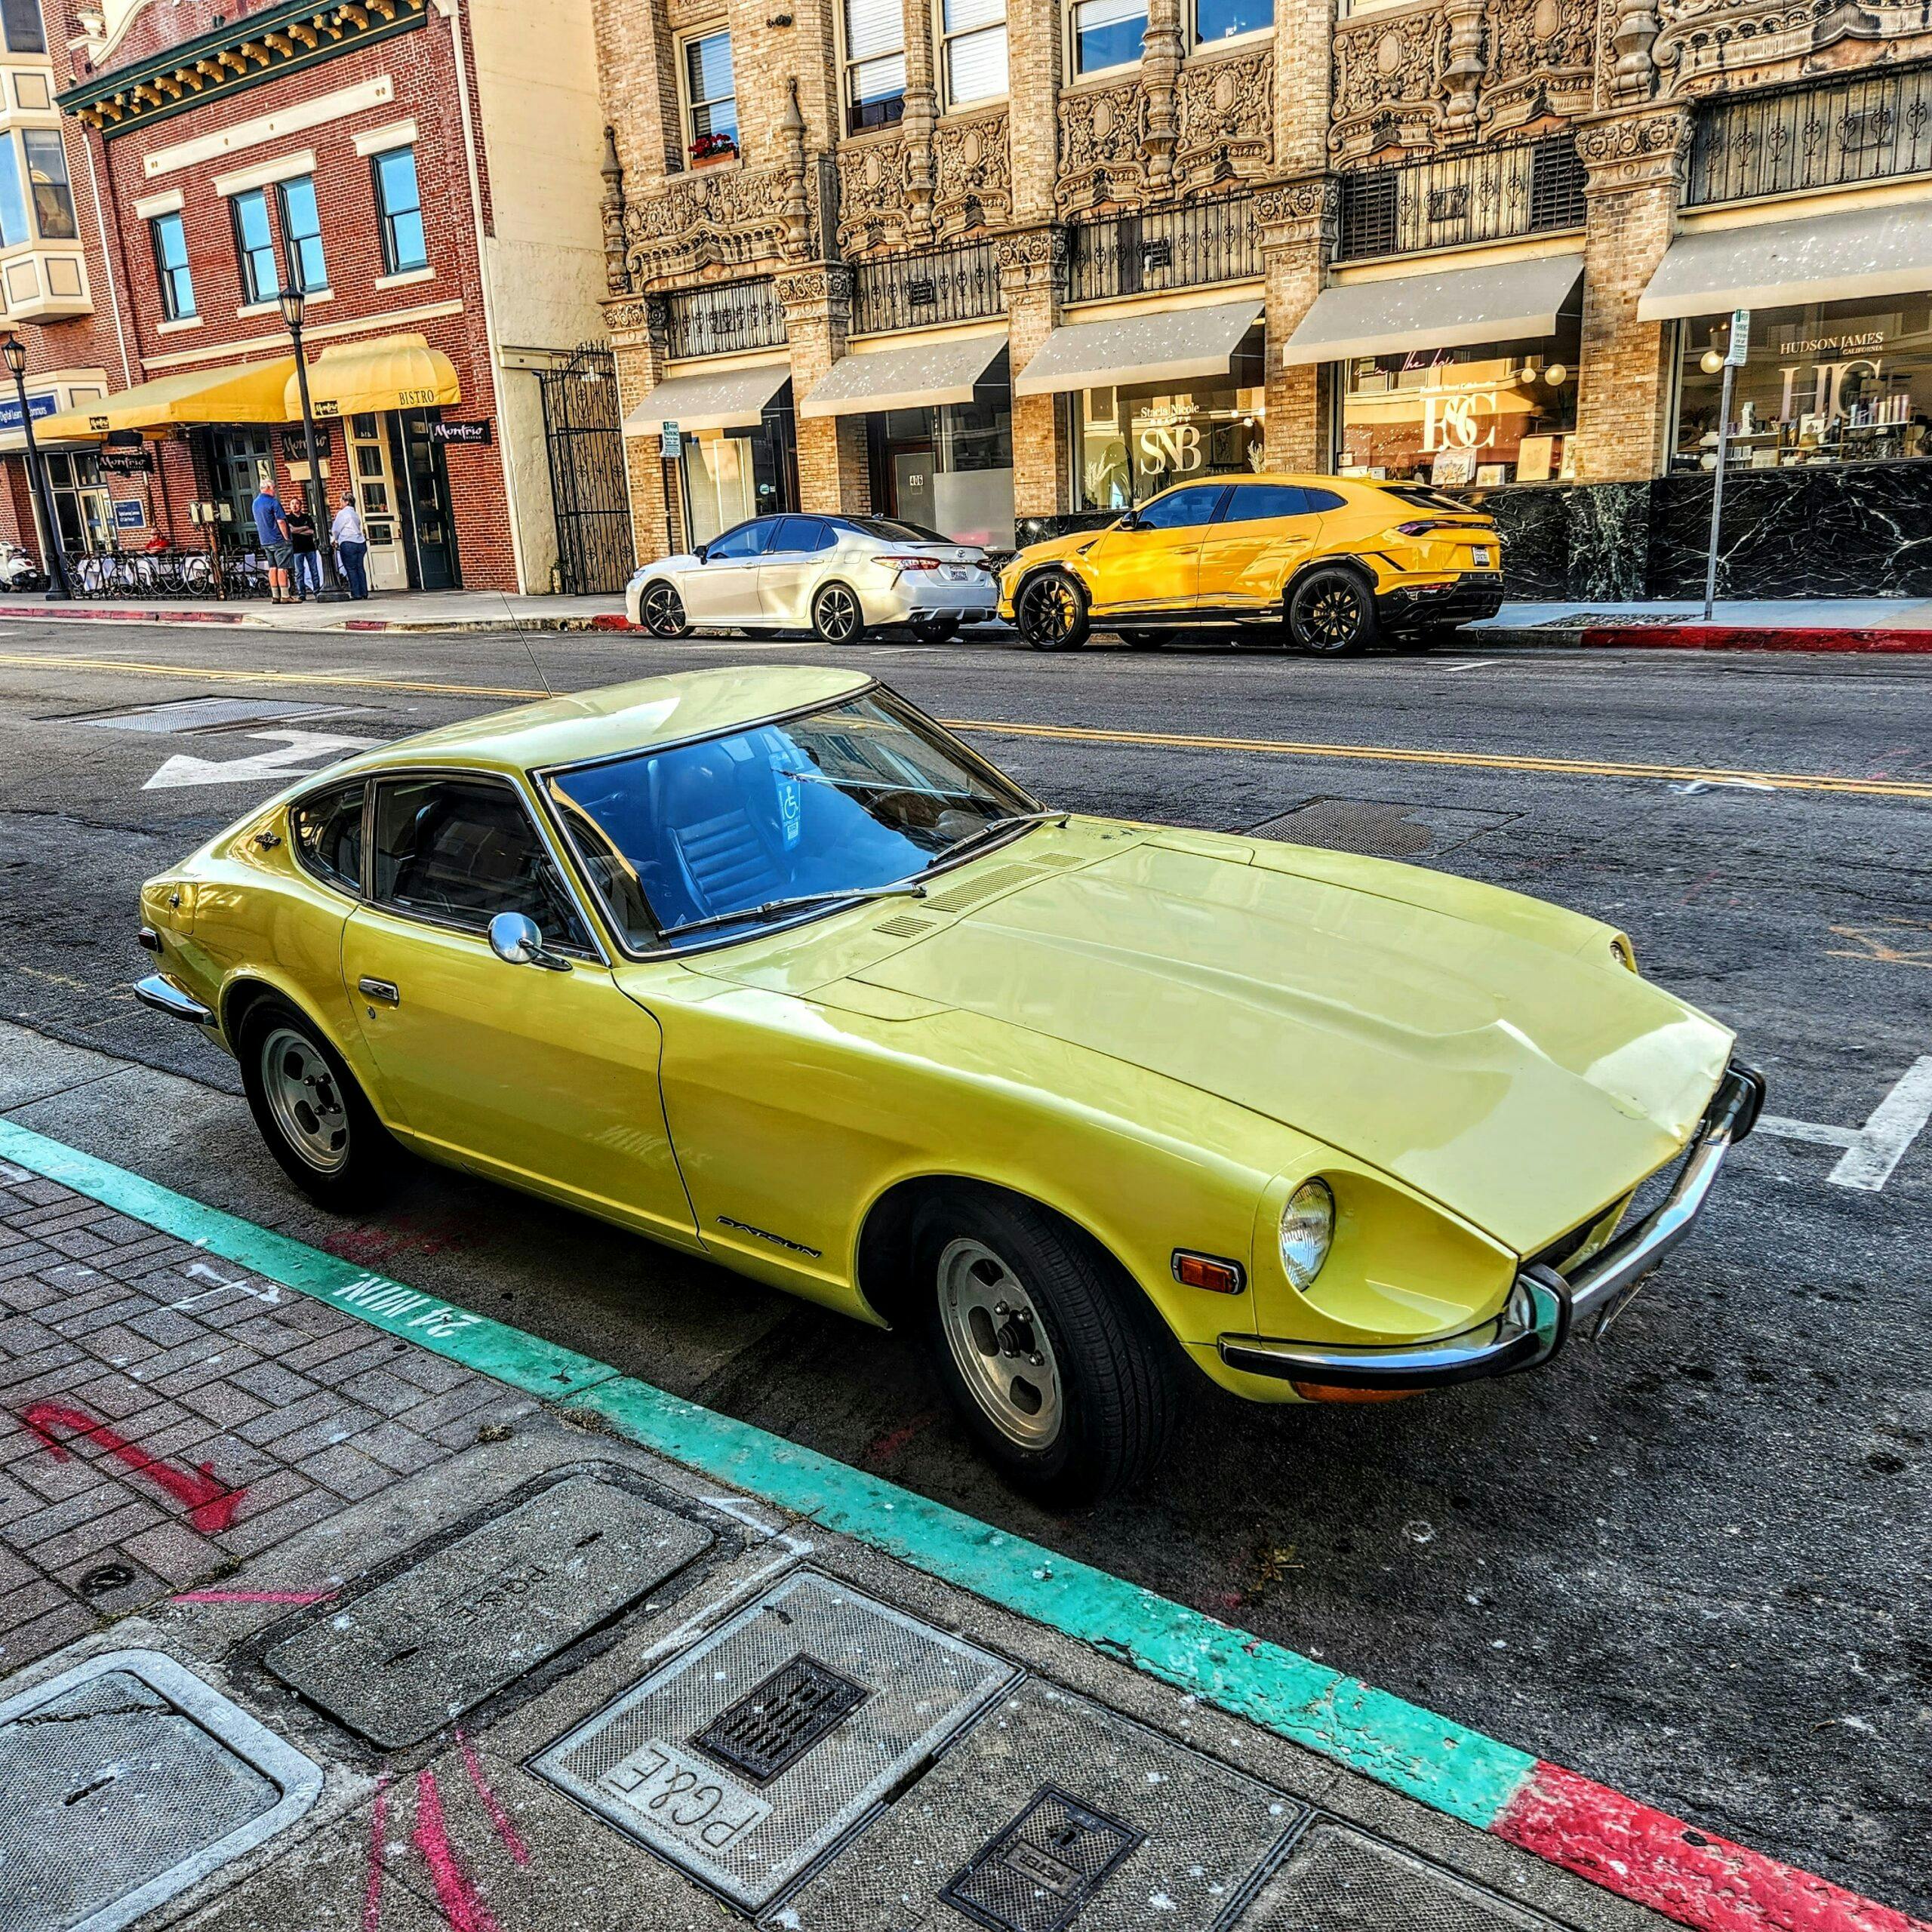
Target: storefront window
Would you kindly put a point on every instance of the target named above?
(1495, 412)
(734, 474)
(1134, 441)
(1831, 382)
(949, 468)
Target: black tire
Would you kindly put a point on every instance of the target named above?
(369, 1157)
(934, 630)
(838, 617)
(1142, 640)
(1050, 611)
(1331, 613)
(662, 610)
(1108, 1358)
(1413, 644)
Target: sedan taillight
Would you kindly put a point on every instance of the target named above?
(908, 563)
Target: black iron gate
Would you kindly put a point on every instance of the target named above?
(582, 429)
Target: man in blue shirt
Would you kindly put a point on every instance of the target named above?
(272, 527)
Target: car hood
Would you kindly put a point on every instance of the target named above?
(1469, 1049)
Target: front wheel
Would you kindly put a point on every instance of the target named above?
(662, 610)
(1331, 613)
(319, 1127)
(1050, 612)
(1057, 1365)
(837, 616)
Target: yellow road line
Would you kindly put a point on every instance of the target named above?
(1570, 767)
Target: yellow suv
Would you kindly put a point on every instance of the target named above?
(1333, 561)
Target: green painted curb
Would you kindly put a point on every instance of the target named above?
(1447, 1766)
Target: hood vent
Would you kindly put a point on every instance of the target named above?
(904, 927)
(974, 891)
(1059, 859)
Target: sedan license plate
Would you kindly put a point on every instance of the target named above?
(1481, 554)
(955, 573)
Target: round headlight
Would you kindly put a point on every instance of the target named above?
(1624, 953)
(1308, 1226)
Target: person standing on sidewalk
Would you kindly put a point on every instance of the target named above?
(272, 527)
(307, 559)
(351, 546)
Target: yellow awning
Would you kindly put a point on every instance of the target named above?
(392, 372)
(252, 393)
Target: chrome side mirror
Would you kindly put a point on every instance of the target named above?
(517, 941)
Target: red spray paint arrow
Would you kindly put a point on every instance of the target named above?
(210, 1506)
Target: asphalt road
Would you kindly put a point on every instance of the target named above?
(1690, 1561)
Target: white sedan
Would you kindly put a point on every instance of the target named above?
(839, 577)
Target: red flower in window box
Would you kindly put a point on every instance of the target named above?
(708, 149)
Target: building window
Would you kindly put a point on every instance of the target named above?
(1492, 413)
(1107, 33)
(949, 467)
(973, 34)
(875, 63)
(711, 107)
(46, 173)
(254, 248)
(1825, 382)
(399, 211)
(1225, 19)
(13, 229)
(21, 21)
(170, 265)
(302, 233)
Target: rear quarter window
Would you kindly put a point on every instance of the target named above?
(325, 832)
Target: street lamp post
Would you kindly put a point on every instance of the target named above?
(59, 589)
(289, 302)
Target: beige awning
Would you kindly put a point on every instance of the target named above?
(1167, 344)
(392, 372)
(727, 399)
(247, 393)
(916, 375)
(1450, 309)
(1776, 264)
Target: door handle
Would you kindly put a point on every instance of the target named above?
(384, 992)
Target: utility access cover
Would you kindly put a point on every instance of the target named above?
(408, 1657)
(1053, 1809)
(747, 1757)
(180, 716)
(125, 1780)
(1380, 830)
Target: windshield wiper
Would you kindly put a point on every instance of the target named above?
(993, 831)
(903, 889)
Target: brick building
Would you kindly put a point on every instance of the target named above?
(426, 171)
(989, 263)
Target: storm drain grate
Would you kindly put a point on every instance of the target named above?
(125, 1780)
(434, 1641)
(769, 1729)
(189, 715)
(1380, 830)
(645, 1764)
(1035, 1874)
(1342, 1880)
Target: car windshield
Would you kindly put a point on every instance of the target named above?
(861, 793)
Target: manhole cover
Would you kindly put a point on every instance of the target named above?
(1341, 1880)
(651, 1765)
(434, 1641)
(207, 713)
(1379, 830)
(1053, 1811)
(123, 1782)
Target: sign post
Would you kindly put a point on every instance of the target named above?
(1738, 348)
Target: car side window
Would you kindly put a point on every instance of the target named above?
(1252, 501)
(749, 539)
(325, 833)
(1183, 509)
(459, 851)
(1320, 500)
(801, 536)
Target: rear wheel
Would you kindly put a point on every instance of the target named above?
(1057, 1363)
(1142, 640)
(837, 616)
(663, 611)
(1331, 613)
(313, 1115)
(1050, 612)
(934, 630)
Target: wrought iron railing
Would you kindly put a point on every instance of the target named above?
(909, 291)
(1831, 134)
(724, 317)
(1487, 194)
(1190, 247)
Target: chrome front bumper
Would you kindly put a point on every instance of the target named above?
(165, 996)
(1544, 1306)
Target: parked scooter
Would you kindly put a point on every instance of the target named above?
(18, 571)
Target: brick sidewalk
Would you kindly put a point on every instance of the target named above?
(164, 1418)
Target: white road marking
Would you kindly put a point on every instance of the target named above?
(271, 1294)
(1873, 1151)
(1474, 664)
(298, 750)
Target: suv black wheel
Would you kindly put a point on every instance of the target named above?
(662, 610)
(313, 1115)
(1059, 1366)
(1050, 612)
(837, 615)
(1331, 613)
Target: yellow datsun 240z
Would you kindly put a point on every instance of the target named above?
(767, 966)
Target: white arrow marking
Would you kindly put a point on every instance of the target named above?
(270, 1294)
(298, 748)
(1873, 1151)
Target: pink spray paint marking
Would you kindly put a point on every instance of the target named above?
(254, 1596)
(372, 1886)
(211, 1507)
(465, 1911)
(514, 1845)
(1689, 1875)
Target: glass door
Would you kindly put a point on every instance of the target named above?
(241, 460)
(376, 499)
(425, 501)
(81, 506)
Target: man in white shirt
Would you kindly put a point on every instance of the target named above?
(352, 547)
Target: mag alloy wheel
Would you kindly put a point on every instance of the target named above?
(304, 1100)
(664, 612)
(1050, 613)
(836, 615)
(1331, 614)
(999, 1345)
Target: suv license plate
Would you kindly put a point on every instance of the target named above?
(1482, 558)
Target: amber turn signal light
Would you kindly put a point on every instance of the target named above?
(1327, 1392)
(1204, 1271)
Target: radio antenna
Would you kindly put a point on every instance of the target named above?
(523, 639)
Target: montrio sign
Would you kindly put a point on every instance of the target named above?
(126, 463)
(459, 432)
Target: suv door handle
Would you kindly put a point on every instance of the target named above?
(383, 990)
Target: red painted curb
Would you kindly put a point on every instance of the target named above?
(1654, 1859)
(1753, 637)
(90, 613)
